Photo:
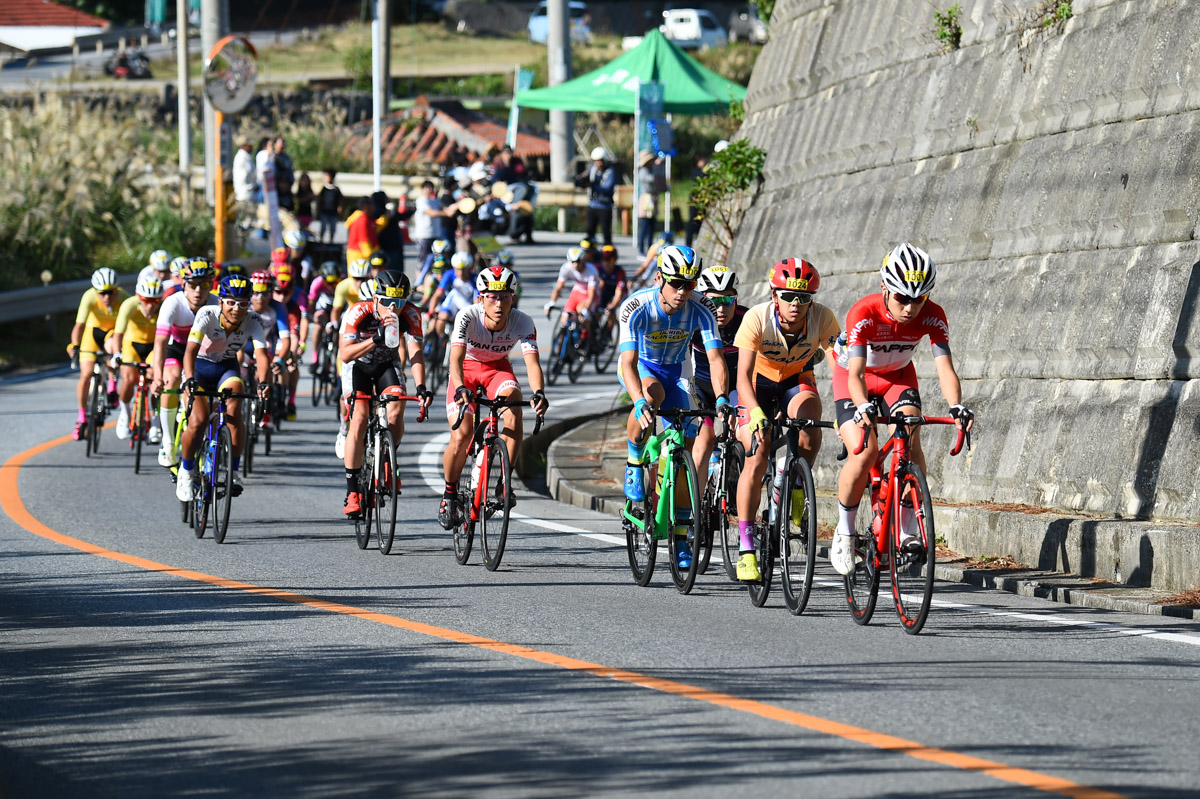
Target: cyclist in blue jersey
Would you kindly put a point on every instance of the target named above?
(439, 247)
(656, 326)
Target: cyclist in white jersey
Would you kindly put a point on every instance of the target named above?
(456, 291)
(585, 286)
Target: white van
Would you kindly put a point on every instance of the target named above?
(693, 28)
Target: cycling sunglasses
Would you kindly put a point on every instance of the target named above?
(719, 300)
(106, 292)
(904, 299)
(682, 285)
(232, 303)
(789, 297)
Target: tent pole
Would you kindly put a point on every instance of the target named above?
(637, 154)
(667, 204)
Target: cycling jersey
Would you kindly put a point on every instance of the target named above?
(610, 284)
(133, 324)
(297, 302)
(781, 356)
(92, 312)
(274, 319)
(361, 323)
(581, 276)
(175, 317)
(888, 346)
(218, 344)
(457, 294)
(320, 294)
(728, 333)
(346, 293)
(493, 345)
(171, 287)
(662, 338)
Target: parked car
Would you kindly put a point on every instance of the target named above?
(581, 24)
(745, 25)
(693, 28)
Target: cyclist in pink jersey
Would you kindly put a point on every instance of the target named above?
(875, 361)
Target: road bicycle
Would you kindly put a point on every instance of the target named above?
(655, 518)
(253, 413)
(570, 348)
(97, 407)
(878, 542)
(213, 489)
(605, 341)
(718, 508)
(324, 376)
(473, 506)
(782, 531)
(378, 481)
(144, 409)
(433, 347)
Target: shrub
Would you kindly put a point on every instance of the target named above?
(720, 194)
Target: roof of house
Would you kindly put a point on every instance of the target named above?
(44, 13)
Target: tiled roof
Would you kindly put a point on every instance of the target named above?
(433, 130)
(43, 13)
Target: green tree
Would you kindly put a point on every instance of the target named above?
(722, 192)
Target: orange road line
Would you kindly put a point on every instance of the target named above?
(10, 500)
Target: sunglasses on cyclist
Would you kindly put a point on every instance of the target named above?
(904, 299)
(799, 297)
(106, 292)
(497, 296)
(682, 285)
(720, 300)
(236, 303)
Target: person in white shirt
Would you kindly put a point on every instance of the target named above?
(245, 184)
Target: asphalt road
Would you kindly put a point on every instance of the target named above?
(136, 660)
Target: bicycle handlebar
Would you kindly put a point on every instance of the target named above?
(795, 424)
(912, 421)
(421, 413)
(480, 398)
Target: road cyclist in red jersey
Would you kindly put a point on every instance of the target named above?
(874, 360)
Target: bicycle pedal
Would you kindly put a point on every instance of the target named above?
(236, 491)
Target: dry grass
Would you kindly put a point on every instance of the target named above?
(1184, 599)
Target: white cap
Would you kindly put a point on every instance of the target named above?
(599, 154)
(478, 171)
(721, 145)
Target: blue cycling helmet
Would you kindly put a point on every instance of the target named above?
(235, 287)
(667, 237)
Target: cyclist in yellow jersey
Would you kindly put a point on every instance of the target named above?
(778, 343)
(96, 318)
(133, 341)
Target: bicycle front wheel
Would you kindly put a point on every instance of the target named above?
(95, 419)
(318, 388)
(912, 565)
(366, 489)
(201, 494)
(464, 529)
(798, 536)
(141, 426)
(684, 576)
(385, 491)
(557, 353)
(249, 434)
(862, 584)
(578, 355)
(493, 523)
(764, 549)
(640, 543)
(222, 483)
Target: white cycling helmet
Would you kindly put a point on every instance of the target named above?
(104, 279)
(359, 268)
(439, 246)
(909, 271)
(149, 288)
(295, 238)
(575, 255)
(160, 260)
(366, 289)
(677, 261)
(599, 154)
(496, 278)
(462, 260)
(177, 264)
(718, 278)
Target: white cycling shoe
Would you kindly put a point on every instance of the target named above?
(339, 446)
(164, 458)
(183, 485)
(123, 425)
(155, 431)
(841, 553)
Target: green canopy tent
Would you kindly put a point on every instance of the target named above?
(688, 86)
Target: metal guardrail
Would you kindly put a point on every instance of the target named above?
(53, 299)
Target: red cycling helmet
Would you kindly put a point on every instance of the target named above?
(282, 274)
(794, 274)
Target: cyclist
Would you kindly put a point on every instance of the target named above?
(320, 301)
(297, 254)
(292, 296)
(94, 321)
(456, 292)
(212, 363)
(133, 342)
(346, 293)
(175, 284)
(778, 343)
(656, 325)
(274, 319)
(372, 367)
(585, 285)
(175, 318)
(484, 333)
(158, 268)
(428, 285)
(379, 261)
(439, 247)
(613, 289)
(875, 360)
(666, 239)
(719, 284)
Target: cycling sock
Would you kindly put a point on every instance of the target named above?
(745, 540)
(82, 415)
(636, 454)
(166, 415)
(352, 480)
(292, 397)
(451, 489)
(125, 406)
(847, 517)
(187, 464)
(237, 462)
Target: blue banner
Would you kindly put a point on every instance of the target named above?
(524, 81)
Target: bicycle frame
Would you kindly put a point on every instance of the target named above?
(663, 448)
(487, 430)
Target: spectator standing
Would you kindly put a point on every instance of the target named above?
(387, 226)
(429, 210)
(304, 200)
(361, 236)
(245, 184)
(285, 176)
(508, 168)
(329, 205)
(647, 200)
(601, 182)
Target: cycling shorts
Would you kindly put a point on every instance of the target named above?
(706, 398)
(576, 300)
(212, 376)
(92, 343)
(897, 389)
(496, 377)
(774, 397)
(677, 392)
(133, 352)
(174, 353)
(370, 378)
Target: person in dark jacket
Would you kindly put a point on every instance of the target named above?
(601, 182)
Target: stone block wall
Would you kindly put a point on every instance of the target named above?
(1052, 174)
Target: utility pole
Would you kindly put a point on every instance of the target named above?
(562, 142)
(214, 23)
(378, 58)
(184, 112)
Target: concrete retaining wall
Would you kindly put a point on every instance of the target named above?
(1052, 173)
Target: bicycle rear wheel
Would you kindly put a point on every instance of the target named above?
(95, 417)
(201, 494)
(706, 522)
(464, 530)
(862, 584)
(685, 578)
(222, 484)
(798, 544)
(579, 356)
(607, 351)
(493, 522)
(318, 388)
(557, 351)
(249, 433)
(912, 568)
(385, 490)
